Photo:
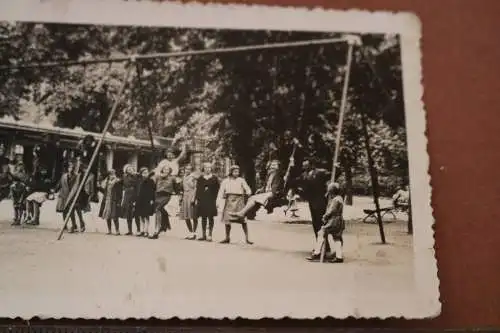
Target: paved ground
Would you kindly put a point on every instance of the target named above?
(95, 275)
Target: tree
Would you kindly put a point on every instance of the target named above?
(251, 98)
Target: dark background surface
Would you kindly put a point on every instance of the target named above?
(461, 76)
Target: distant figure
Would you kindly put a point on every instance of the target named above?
(18, 195)
(292, 198)
(233, 191)
(39, 189)
(401, 199)
(5, 176)
(18, 187)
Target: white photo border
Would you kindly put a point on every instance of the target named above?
(258, 17)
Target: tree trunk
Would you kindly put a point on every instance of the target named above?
(410, 219)
(374, 178)
(348, 183)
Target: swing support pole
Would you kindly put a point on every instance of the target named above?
(351, 41)
(98, 146)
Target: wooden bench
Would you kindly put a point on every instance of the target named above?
(384, 211)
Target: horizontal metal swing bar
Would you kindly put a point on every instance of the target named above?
(125, 58)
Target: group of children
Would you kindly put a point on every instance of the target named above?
(144, 195)
(27, 191)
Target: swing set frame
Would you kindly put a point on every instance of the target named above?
(133, 61)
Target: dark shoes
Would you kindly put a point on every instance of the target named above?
(333, 260)
(336, 260)
(313, 257)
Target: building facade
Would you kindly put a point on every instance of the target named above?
(61, 143)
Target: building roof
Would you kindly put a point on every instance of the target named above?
(78, 133)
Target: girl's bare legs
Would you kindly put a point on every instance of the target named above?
(203, 229)
(245, 231)
(138, 226)
(29, 212)
(145, 225)
(210, 228)
(108, 222)
(158, 218)
(117, 225)
(79, 213)
(189, 226)
(35, 219)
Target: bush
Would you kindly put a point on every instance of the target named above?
(362, 185)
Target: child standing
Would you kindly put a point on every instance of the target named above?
(233, 191)
(129, 198)
(18, 195)
(18, 187)
(144, 207)
(110, 205)
(333, 225)
(207, 188)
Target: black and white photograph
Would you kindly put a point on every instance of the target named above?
(191, 161)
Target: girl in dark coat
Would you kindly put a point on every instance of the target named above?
(144, 206)
(87, 192)
(129, 197)
(207, 188)
(165, 187)
(110, 205)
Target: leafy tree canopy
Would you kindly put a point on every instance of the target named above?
(238, 101)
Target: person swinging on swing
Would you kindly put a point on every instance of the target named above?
(267, 197)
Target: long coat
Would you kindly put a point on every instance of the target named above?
(64, 188)
(188, 197)
(311, 186)
(144, 206)
(206, 196)
(86, 193)
(129, 184)
(110, 204)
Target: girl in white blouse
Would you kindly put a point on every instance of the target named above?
(233, 190)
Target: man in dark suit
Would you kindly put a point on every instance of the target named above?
(311, 185)
(268, 197)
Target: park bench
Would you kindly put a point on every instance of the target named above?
(372, 213)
